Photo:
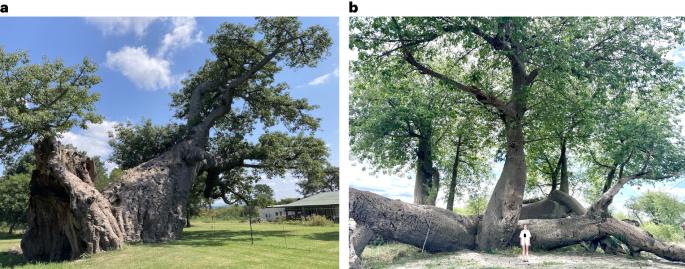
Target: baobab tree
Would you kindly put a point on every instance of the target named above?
(221, 105)
(508, 64)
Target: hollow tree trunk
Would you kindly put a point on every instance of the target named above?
(408, 223)
(453, 181)
(503, 209)
(68, 217)
(423, 186)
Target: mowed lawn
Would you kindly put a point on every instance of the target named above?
(220, 244)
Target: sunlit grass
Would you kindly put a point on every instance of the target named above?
(224, 244)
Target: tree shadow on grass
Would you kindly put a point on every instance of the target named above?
(10, 259)
(218, 238)
(328, 236)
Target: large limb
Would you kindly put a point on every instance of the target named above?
(360, 235)
(441, 230)
(556, 205)
(408, 223)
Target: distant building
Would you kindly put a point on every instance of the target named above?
(271, 213)
(324, 204)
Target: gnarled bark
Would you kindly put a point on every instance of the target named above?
(505, 202)
(147, 205)
(149, 202)
(67, 216)
(556, 205)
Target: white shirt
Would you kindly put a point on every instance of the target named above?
(525, 234)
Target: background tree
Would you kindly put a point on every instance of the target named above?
(400, 120)
(327, 181)
(659, 207)
(14, 199)
(286, 201)
(42, 100)
(505, 64)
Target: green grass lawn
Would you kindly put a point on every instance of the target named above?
(222, 244)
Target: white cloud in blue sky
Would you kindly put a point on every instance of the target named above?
(93, 140)
(324, 78)
(121, 25)
(183, 34)
(144, 71)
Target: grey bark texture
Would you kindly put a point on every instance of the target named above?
(67, 216)
(502, 213)
(408, 223)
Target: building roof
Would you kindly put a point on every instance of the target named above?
(324, 198)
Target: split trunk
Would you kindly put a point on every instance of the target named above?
(68, 217)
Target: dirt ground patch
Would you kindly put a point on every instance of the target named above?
(406, 257)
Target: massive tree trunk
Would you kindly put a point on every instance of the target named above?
(453, 180)
(439, 230)
(503, 209)
(149, 203)
(425, 191)
(68, 217)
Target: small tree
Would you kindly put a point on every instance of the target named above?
(14, 199)
(659, 207)
(327, 181)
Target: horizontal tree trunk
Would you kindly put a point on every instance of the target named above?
(413, 224)
(556, 205)
(408, 223)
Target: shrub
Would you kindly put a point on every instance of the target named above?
(234, 212)
(317, 220)
(664, 232)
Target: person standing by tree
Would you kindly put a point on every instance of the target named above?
(525, 242)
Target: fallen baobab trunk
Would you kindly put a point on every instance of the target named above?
(68, 217)
(442, 230)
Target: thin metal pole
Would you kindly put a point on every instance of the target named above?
(285, 236)
(426, 239)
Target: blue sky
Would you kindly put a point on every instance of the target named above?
(142, 60)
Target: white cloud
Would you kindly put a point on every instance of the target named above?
(121, 26)
(94, 141)
(323, 78)
(181, 36)
(145, 71)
